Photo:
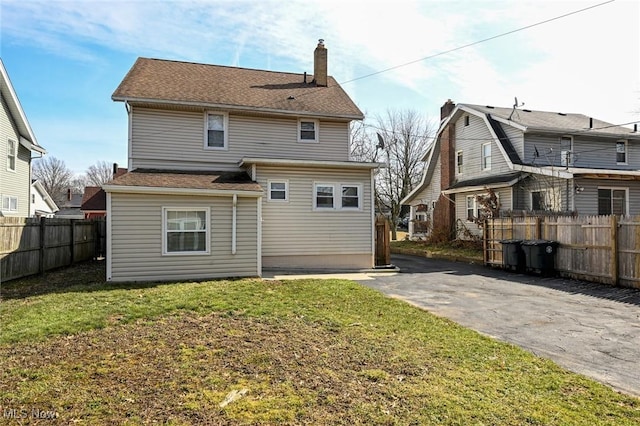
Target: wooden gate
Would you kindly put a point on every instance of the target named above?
(383, 248)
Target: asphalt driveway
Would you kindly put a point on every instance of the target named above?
(587, 328)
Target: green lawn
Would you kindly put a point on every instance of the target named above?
(303, 352)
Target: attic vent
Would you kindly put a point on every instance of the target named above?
(489, 106)
(526, 110)
(562, 113)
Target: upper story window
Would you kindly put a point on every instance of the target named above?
(486, 156)
(621, 152)
(278, 190)
(9, 204)
(216, 134)
(459, 162)
(308, 130)
(12, 154)
(185, 230)
(466, 120)
(612, 201)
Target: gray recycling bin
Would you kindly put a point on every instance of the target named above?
(540, 256)
(512, 255)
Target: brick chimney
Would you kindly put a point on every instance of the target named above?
(320, 64)
(445, 209)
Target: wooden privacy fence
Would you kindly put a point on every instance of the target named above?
(603, 249)
(32, 246)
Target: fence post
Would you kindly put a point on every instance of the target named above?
(538, 228)
(43, 226)
(614, 250)
(72, 243)
(485, 246)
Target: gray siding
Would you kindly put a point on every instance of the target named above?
(294, 228)
(136, 238)
(504, 197)
(175, 140)
(14, 183)
(469, 140)
(588, 152)
(555, 188)
(586, 202)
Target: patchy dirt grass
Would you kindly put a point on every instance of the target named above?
(305, 352)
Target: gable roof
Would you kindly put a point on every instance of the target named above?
(553, 122)
(94, 198)
(214, 86)
(38, 187)
(27, 138)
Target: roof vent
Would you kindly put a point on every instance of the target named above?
(291, 98)
(489, 106)
(526, 110)
(562, 113)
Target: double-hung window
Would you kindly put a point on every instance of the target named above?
(612, 201)
(9, 203)
(216, 136)
(12, 154)
(307, 130)
(459, 162)
(324, 196)
(486, 156)
(185, 230)
(472, 208)
(621, 152)
(336, 196)
(278, 190)
(350, 197)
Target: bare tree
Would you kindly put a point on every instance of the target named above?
(54, 175)
(99, 173)
(405, 137)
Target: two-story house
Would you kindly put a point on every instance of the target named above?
(17, 143)
(232, 170)
(532, 161)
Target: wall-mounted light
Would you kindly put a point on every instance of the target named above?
(578, 189)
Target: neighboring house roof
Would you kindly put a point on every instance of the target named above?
(553, 122)
(158, 81)
(27, 138)
(309, 163)
(94, 199)
(35, 184)
(199, 181)
(72, 201)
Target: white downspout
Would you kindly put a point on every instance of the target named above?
(233, 223)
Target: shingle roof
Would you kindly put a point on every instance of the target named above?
(94, 198)
(157, 80)
(488, 180)
(554, 121)
(238, 181)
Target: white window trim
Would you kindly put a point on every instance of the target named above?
(626, 151)
(459, 167)
(337, 196)
(286, 190)
(475, 207)
(316, 127)
(207, 230)
(13, 154)
(315, 197)
(225, 118)
(570, 142)
(467, 120)
(542, 191)
(9, 198)
(626, 196)
(356, 185)
(482, 156)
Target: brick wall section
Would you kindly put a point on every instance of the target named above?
(444, 212)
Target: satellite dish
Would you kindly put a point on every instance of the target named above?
(380, 141)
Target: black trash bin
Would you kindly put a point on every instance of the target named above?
(540, 256)
(512, 255)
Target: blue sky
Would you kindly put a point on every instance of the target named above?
(65, 58)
